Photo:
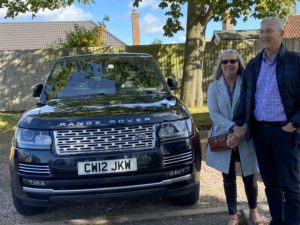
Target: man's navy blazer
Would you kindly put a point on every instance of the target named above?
(288, 79)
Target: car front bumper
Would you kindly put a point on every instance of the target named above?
(154, 177)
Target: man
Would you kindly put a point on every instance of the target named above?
(270, 108)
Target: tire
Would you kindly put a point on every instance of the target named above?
(25, 209)
(187, 199)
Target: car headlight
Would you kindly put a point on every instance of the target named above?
(33, 139)
(175, 129)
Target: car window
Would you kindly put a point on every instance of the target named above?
(130, 75)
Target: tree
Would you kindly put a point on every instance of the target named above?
(82, 37)
(199, 13)
(157, 41)
(33, 6)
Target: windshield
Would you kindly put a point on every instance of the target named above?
(104, 75)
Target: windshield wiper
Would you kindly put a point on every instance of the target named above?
(89, 95)
(151, 92)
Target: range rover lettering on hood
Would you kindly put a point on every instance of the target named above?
(99, 122)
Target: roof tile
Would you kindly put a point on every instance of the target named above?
(39, 35)
(292, 28)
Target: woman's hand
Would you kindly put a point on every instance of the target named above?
(233, 140)
(240, 132)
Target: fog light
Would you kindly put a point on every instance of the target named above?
(177, 172)
(34, 182)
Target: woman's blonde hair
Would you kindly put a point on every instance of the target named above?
(218, 72)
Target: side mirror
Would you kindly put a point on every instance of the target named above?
(37, 90)
(172, 83)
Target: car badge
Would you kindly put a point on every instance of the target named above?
(140, 136)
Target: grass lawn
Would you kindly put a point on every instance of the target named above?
(8, 121)
(201, 117)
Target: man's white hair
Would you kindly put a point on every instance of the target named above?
(277, 21)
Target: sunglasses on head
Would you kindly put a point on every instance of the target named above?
(231, 61)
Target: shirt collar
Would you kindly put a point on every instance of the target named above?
(273, 60)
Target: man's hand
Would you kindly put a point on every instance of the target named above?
(289, 127)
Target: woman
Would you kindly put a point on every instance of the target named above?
(223, 99)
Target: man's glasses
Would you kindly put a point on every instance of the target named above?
(231, 61)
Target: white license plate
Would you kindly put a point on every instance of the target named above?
(107, 166)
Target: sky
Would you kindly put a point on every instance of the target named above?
(119, 12)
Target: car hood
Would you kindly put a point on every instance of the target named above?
(104, 111)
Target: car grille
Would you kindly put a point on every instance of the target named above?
(37, 169)
(79, 141)
(185, 157)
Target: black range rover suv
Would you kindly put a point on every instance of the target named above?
(105, 126)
